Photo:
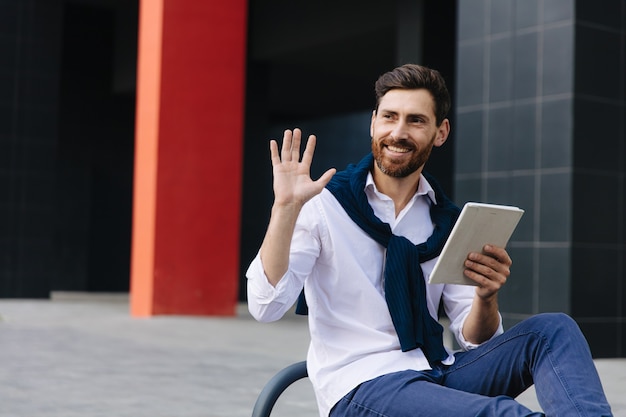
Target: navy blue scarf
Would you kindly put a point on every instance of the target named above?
(405, 288)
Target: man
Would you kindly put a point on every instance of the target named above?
(362, 244)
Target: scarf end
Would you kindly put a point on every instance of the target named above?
(302, 309)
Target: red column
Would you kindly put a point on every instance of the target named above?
(188, 161)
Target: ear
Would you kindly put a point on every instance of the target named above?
(443, 130)
(372, 123)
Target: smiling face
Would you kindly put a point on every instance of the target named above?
(404, 131)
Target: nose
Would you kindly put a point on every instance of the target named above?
(399, 130)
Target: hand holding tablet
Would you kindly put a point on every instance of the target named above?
(478, 224)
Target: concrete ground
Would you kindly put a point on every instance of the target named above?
(83, 355)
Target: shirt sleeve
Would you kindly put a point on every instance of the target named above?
(458, 303)
(267, 303)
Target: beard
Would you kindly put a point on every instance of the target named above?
(399, 167)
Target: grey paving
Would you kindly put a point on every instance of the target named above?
(83, 355)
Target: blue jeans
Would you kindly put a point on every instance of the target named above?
(548, 350)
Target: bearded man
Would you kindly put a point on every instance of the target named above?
(363, 242)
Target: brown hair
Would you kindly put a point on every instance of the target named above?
(412, 77)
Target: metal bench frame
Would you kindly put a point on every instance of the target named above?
(276, 386)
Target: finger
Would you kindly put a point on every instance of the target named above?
(494, 271)
(285, 152)
(326, 177)
(309, 150)
(493, 256)
(488, 281)
(480, 279)
(485, 264)
(295, 145)
(498, 253)
(275, 158)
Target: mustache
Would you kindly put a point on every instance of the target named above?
(401, 143)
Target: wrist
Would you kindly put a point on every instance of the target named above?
(286, 207)
(486, 302)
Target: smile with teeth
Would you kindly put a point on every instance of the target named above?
(397, 149)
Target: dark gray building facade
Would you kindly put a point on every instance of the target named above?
(541, 125)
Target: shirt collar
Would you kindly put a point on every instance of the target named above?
(423, 188)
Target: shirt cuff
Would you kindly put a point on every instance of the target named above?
(466, 345)
(260, 287)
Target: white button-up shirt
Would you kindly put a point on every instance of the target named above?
(341, 268)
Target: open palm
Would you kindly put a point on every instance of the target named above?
(292, 177)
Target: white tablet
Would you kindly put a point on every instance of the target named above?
(478, 224)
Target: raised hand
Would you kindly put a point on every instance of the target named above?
(293, 185)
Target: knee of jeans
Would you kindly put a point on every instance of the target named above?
(555, 322)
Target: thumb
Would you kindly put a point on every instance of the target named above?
(326, 177)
